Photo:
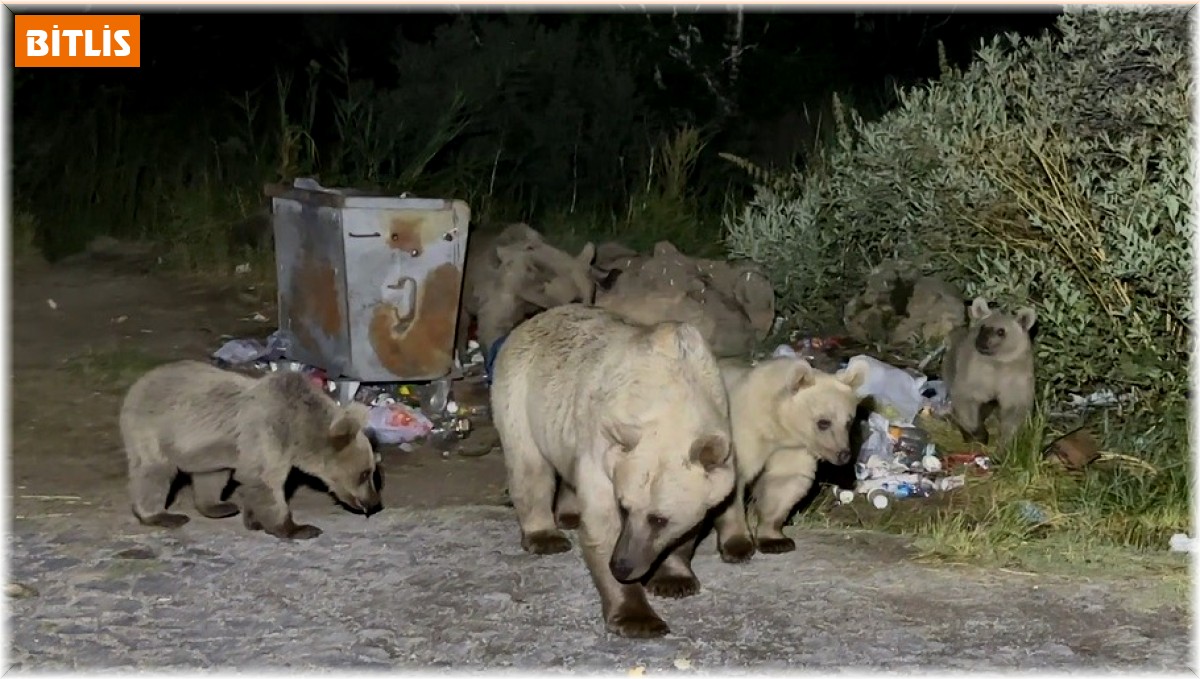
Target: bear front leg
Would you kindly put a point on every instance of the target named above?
(626, 610)
(266, 507)
(566, 507)
(788, 477)
(733, 534)
(967, 415)
(674, 577)
(1012, 416)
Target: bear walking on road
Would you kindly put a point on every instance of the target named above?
(634, 420)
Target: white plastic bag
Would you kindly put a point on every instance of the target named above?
(897, 393)
(397, 423)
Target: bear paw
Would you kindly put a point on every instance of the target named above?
(546, 542)
(220, 510)
(641, 624)
(163, 520)
(304, 532)
(250, 522)
(737, 550)
(567, 521)
(673, 586)
(776, 545)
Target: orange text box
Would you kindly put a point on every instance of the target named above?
(73, 40)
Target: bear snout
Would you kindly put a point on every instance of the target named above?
(843, 456)
(621, 568)
(372, 504)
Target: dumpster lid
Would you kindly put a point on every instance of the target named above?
(308, 190)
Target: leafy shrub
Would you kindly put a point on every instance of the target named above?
(1054, 171)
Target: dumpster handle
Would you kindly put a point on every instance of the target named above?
(404, 322)
(365, 235)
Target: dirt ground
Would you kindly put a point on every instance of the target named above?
(439, 578)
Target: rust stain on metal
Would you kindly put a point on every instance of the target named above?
(314, 295)
(407, 234)
(419, 344)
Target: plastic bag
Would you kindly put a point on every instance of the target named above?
(240, 351)
(397, 423)
(897, 393)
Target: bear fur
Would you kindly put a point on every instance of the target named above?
(210, 423)
(631, 423)
(733, 305)
(899, 307)
(786, 416)
(512, 273)
(990, 364)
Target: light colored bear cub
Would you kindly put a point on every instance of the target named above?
(786, 416)
(634, 420)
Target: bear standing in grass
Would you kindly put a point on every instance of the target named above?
(193, 417)
(786, 416)
(635, 422)
(989, 364)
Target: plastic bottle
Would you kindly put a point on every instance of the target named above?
(878, 498)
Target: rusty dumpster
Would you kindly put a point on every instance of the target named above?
(369, 285)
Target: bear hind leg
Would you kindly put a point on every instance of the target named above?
(207, 488)
(777, 494)
(566, 507)
(531, 486)
(149, 486)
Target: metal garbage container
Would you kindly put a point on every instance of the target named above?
(369, 285)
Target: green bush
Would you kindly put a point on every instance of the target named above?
(1054, 171)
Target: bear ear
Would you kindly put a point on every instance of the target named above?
(979, 309)
(710, 452)
(587, 254)
(678, 340)
(800, 375)
(854, 374)
(343, 430)
(1026, 316)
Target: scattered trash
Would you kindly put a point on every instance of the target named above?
(243, 351)
(397, 423)
(259, 317)
(1031, 512)
(1074, 451)
(897, 393)
(1180, 542)
(241, 269)
(937, 400)
(682, 664)
(400, 414)
(120, 319)
(637, 671)
(52, 303)
(974, 462)
(1103, 399)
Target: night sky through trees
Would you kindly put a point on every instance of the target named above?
(571, 104)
